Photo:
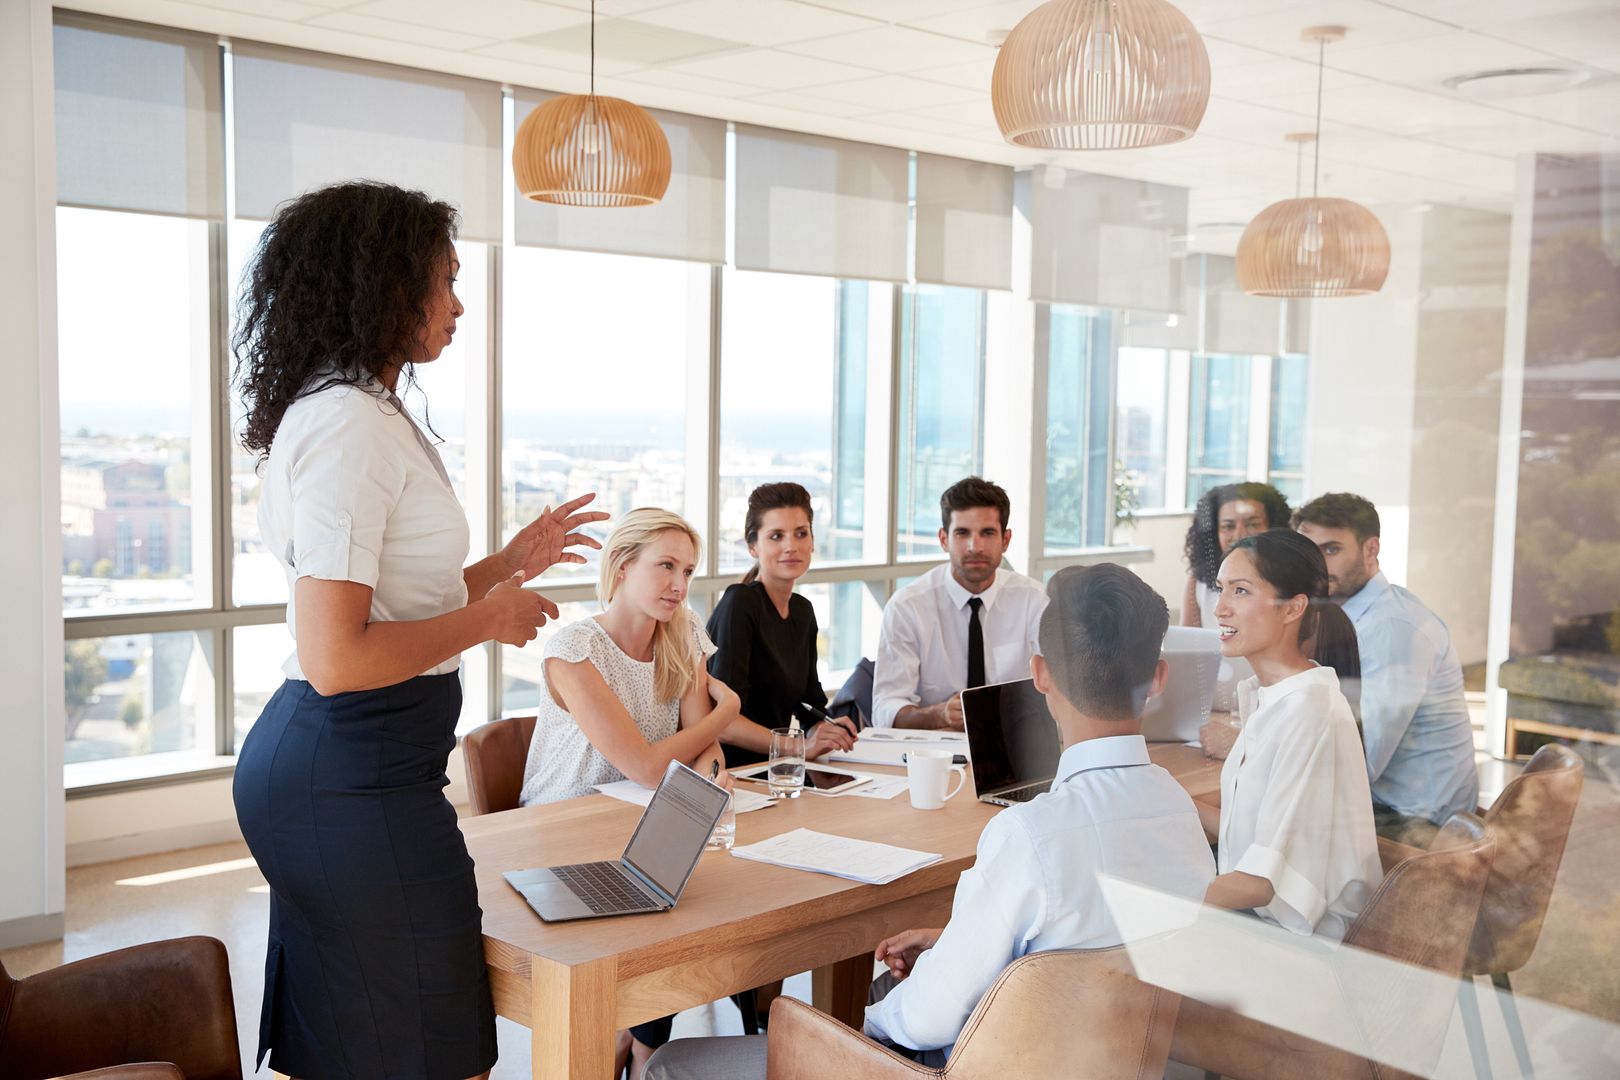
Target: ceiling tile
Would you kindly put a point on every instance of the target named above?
(499, 20)
(897, 92)
(1595, 107)
(290, 10)
(1591, 36)
(559, 59)
(390, 30)
(692, 84)
(975, 23)
(973, 76)
(632, 41)
(909, 121)
(756, 22)
(895, 10)
(770, 69)
(975, 112)
(801, 101)
(894, 49)
(1429, 61)
(1370, 23)
(608, 9)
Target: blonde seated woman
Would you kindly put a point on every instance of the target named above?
(626, 692)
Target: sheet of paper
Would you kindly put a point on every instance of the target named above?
(631, 792)
(886, 746)
(877, 786)
(840, 856)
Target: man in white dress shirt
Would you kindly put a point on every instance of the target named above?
(967, 623)
(1034, 884)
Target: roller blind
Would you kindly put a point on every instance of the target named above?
(812, 205)
(307, 119)
(1234, 321)
(964, 222)
(689, 222)
(138, 118)
(1104, 241)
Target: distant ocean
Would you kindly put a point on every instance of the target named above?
(784, 433)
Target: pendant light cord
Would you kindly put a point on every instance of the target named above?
(1316, 150)
(593, 68)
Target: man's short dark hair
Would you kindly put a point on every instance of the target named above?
(1340, 510)
(1101, 635)
(971, 494)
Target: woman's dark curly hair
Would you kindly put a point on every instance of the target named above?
(339, 284)
(1203, 546)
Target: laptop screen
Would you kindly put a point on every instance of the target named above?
(1012, 737)
(669, 839)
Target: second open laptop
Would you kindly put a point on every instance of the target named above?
(655, 866)
(1012, 741)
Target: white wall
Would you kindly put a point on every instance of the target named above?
(31, 872)
(1167, 572)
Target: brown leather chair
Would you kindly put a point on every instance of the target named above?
(1530, 823)
(1422, 914)
(1077, 1012)
(495, 755)
(165, 1005)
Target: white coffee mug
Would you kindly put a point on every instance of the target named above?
(926, 770)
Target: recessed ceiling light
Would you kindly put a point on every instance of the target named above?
(1516, 82)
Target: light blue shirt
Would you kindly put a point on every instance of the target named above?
(1034, 887)
(1420, 743)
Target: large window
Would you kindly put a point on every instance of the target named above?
(594, 361)
(1289, 386)
(1142, 423)
(1218, 438)
(793, 402)
(941, 405)
(134, 342)
(1079, 406)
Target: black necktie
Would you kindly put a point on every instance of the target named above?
(975, 645)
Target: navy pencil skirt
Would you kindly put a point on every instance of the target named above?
(375, 964)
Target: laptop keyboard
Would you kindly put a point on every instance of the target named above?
(603, 888)
(1022, 794)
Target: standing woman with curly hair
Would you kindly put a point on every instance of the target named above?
(1224, 515)
(375, 964)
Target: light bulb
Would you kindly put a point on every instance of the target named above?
(1310, 241)
(591, 138)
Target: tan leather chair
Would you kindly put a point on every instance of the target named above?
(1068, 1012)
(1422, 913)
(166, 1005)
(495, 755)
(1530, 823)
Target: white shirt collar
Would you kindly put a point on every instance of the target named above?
(960, 596)
(1356, 606)
(1270, 695)
(1111, 752)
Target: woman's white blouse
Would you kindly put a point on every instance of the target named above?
(1296, 808)
(353, 491)
(562, 762)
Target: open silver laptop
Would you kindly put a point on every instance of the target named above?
(655, 866)
(1012, 741)
(1178, 711)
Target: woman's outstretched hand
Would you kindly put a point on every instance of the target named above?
(544, 542)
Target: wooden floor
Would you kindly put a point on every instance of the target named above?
(217, 891)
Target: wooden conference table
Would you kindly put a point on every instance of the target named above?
(739, 924)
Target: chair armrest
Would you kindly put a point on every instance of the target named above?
(806, 1044)
(1392, 853)
(164, 1001)
(146, 1070)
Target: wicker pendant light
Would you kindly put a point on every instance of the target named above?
(1100, 75)
(1314, 247)
(585, 150)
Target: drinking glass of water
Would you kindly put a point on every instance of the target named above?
(724, 836)
(786, 777)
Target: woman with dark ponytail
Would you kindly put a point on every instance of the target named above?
(1295, 823)
(766, 632)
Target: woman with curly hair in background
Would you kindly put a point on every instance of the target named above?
(1224, 515)
(375, 966)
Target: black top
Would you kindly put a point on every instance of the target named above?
(768, 660)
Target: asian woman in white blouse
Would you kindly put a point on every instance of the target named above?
(1295, 827)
